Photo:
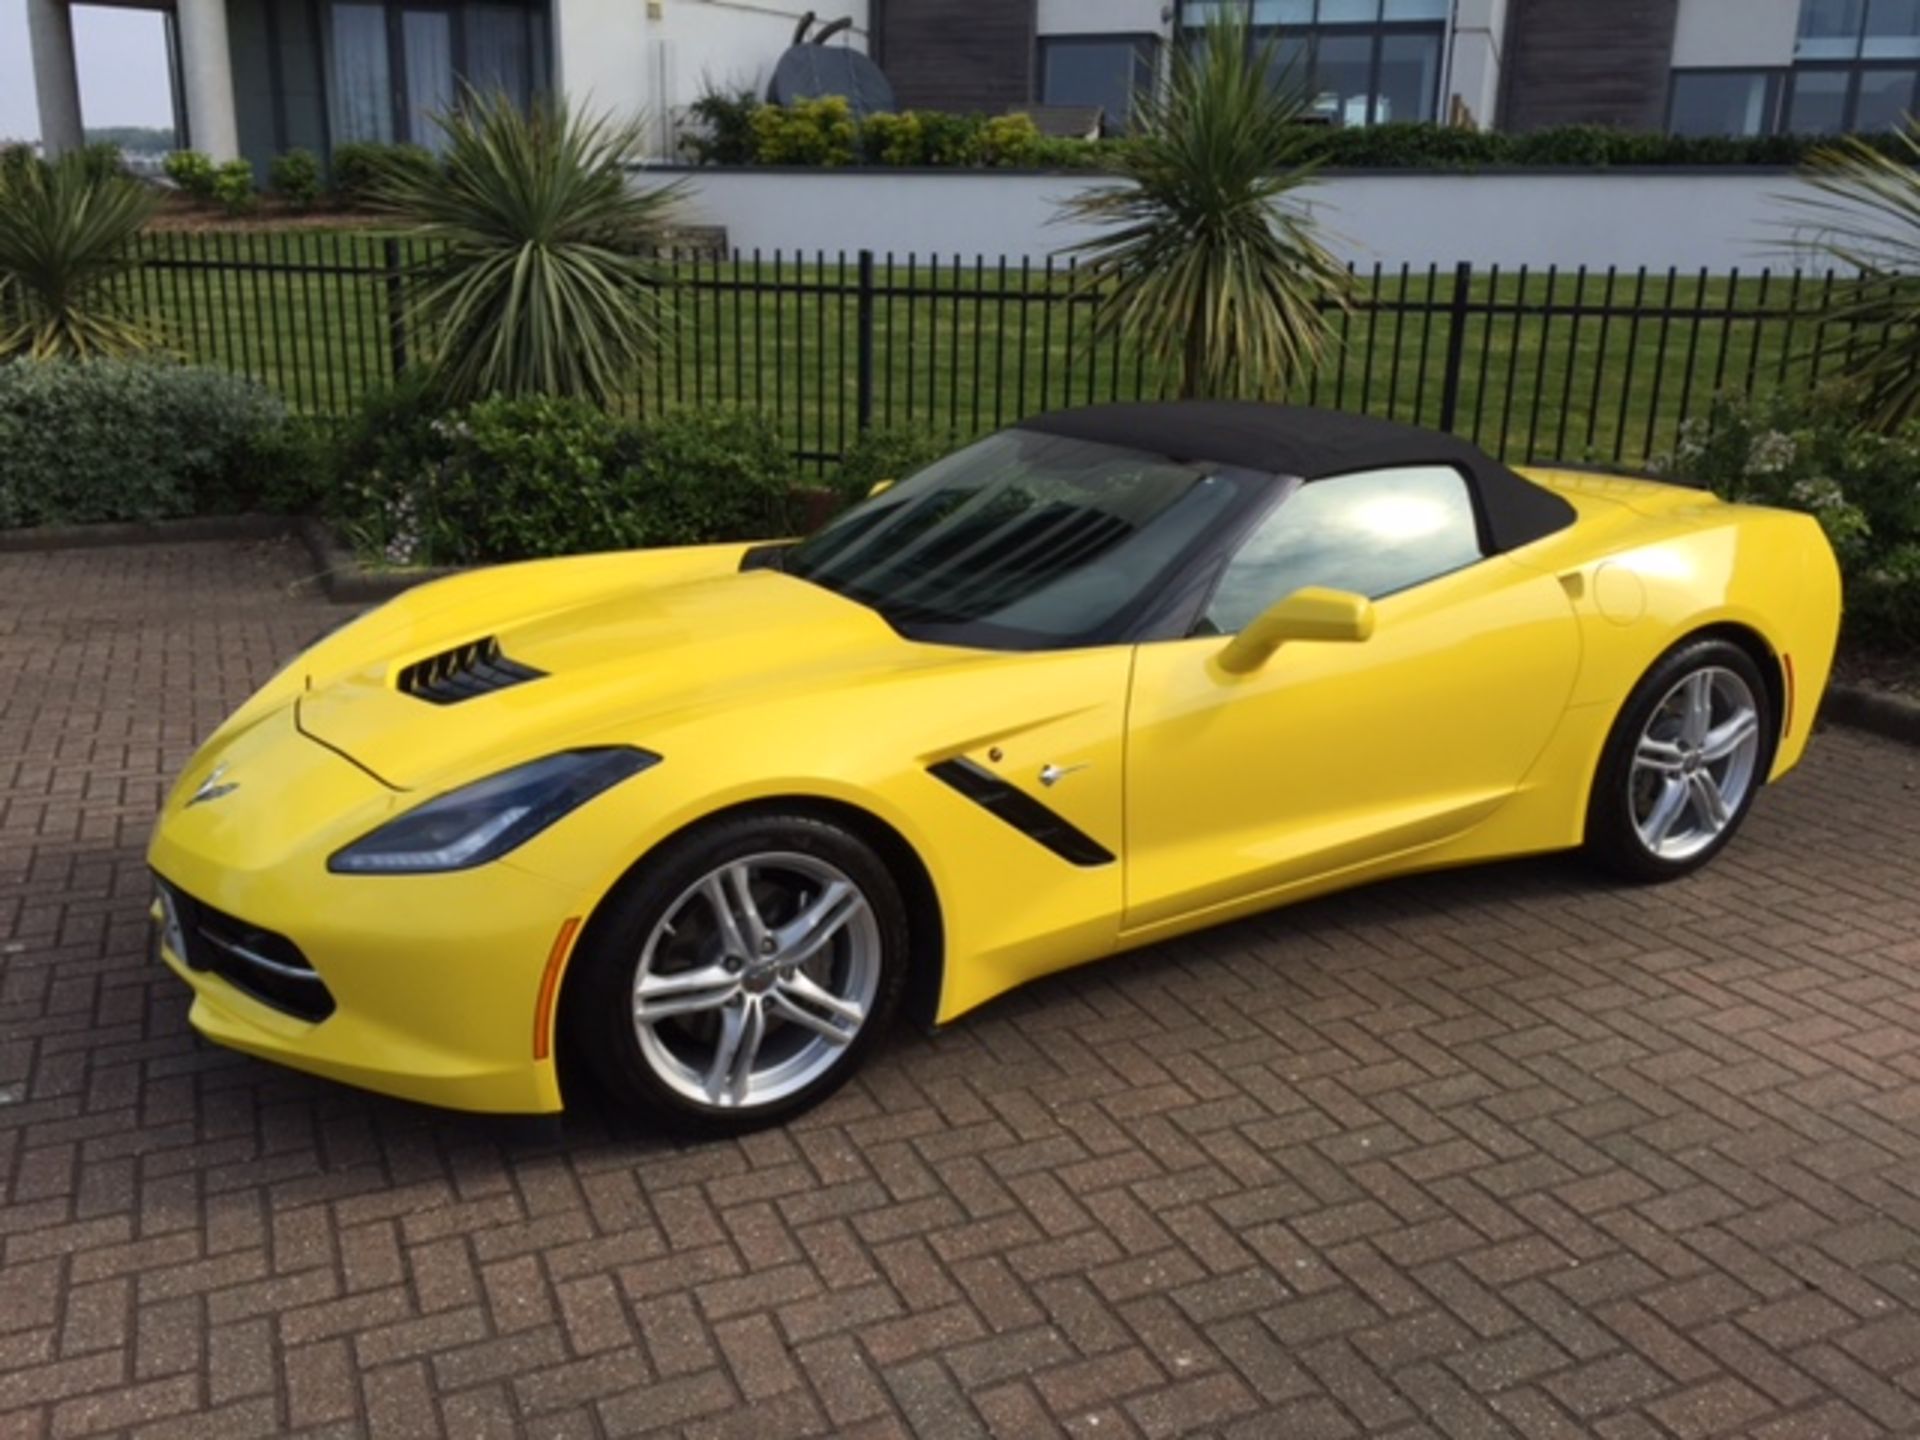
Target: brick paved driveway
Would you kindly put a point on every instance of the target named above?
(1501, 1153)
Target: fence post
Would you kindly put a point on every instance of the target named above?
(1456, 346)
(864, 324)
(396, 308)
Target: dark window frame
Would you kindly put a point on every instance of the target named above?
(1779, 88)
(1146, 45)
(1375, 32)
(538, 15)
(1854, 70)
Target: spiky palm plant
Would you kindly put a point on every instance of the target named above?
(1865, 216)
(66, 238)
(537, 279)
(1209, 261)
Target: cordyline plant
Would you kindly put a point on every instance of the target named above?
(1209, 261)
(1865, 216)
(536, 277)
(66, 238)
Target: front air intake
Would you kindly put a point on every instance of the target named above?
(464, 673)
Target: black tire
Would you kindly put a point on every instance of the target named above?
(601, 1002)
(1613, 840)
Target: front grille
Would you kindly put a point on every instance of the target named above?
(267, 966)
(464, 672)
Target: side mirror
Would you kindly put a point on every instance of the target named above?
(880, 487)
(1311, 614)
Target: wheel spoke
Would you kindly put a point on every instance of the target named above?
(803, 988)
(1697, 716)
(1708, 802)
(745, 908)
(731, 1069)
(686, 992)
(1666, 810)
(782, 1004)
(1728, 738)
(808, 933)
(1661, 756)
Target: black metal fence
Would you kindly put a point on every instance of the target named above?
(1582, 365)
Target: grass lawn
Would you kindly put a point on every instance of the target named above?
(1550, 366)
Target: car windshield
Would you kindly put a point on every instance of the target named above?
(1023, 540)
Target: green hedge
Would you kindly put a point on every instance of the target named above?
(739, 130)
(515, 479)
(105, 440)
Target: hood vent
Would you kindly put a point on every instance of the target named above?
(463, 673)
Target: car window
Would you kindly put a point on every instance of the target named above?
(1025, 540)
(1372, 533)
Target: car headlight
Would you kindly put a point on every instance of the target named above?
(484, 820)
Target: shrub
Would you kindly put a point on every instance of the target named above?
(707, 475)
(296, 178)
(726, 136)
(359, 165)
(949, 139)
(508, 479)
(101, 160)
(885, 453)
(812, 132)
(233, 187)
(192, 172)
(893, 138)
(1009, 141)
(17, 161)
(1807, 453)
(98, 440)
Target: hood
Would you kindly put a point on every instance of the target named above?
(597, 671)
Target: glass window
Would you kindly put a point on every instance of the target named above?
(1107, 72)
(1371, 534)
(1023, 540)
(1416, 10)
(1349, 12)
(1893, 30)
(1283, 13)
(498, 55)
(1343, 78)
(1886, 99)
(1409, 78)
(1819, 105)
(1291, 66)
(362, 94)
(428, 35)
(1830, 29)
(1722, 102)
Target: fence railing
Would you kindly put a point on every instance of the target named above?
(1553, 364)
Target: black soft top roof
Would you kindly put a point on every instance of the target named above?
(1315, 444)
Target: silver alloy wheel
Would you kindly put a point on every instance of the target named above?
(1694, 763)
(756, 979)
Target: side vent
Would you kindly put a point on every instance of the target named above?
(1021, 811)
(463, 673)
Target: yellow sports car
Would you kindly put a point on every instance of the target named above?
(707, 820)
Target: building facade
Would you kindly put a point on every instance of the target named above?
(257, 77)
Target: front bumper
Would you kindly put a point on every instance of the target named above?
(434, 981)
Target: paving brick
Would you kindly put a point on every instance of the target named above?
(1503, 1152)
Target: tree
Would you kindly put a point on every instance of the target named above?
(536, 277)
(1865, 216)
(1209, 260)
(67, 235)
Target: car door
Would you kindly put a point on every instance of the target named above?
(1331, 755)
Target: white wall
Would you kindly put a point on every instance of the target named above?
(1474, 59)
(1736, 32)
(1098, 17)
(655, 57)
(1658, 219)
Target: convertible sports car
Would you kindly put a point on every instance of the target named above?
(706, 820)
